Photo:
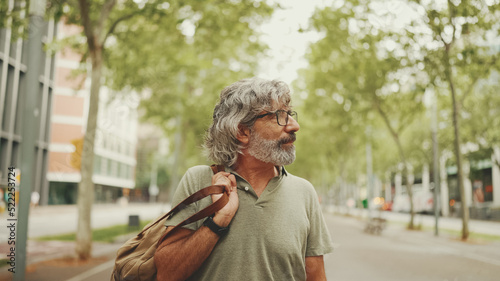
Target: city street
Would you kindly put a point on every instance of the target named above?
(397, 254)
(61, 219)
(384, 112)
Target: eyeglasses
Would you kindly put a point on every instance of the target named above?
(281, 116)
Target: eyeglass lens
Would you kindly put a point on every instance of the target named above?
(283, 117)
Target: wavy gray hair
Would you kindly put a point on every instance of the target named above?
(239, 104)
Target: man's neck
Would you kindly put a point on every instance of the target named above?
(257, 173)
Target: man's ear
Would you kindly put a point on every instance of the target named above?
(243, 134)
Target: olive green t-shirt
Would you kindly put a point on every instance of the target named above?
(269, 237)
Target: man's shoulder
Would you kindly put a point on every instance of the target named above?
(300, 182)
(297, 179)
(198, 177)
(199, 169)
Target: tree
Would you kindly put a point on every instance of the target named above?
(97, 22)
(480, 122)
(372, 75)
(457, 35)
(331, 138)
(102, 20)
(189, 59)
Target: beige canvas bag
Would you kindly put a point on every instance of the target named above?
(135, 259)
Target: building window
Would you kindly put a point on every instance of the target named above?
(119, 169)
(107, 167)
(114, 168)
(97, 165)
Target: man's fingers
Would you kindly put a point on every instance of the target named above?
(232, 178)
(226, 179)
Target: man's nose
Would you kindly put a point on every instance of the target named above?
(293, 125)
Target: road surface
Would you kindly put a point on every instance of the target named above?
(398, 254)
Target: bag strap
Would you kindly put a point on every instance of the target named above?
(200, 194)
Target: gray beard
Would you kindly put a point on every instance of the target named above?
(271, 151)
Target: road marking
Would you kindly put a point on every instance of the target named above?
(93, 271)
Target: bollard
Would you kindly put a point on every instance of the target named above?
(133, 222)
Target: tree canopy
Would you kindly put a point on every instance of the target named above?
(193, 51)
(374, 67)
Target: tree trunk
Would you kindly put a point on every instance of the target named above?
(409, 189)
(86, 186)
(458, 156)
(457, 145)
(402, 156)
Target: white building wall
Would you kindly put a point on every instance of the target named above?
(116, 139)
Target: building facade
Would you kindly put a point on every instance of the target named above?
(116, 137)
(13, 68)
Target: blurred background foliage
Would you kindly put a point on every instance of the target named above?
(191, 54)
(372, 71)
(369, 79)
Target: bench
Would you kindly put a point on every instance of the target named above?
(375, 226)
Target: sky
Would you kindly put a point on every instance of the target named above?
(287, 45)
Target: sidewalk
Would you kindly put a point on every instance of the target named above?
(51, 260)
(61, 219)
(448, 223)
(54, 260)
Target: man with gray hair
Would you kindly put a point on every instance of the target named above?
(272, 227)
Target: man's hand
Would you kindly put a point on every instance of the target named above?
(224, 216)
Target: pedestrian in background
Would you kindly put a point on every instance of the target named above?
(272, 227)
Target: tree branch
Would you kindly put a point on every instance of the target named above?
(386, 120)
(403, 123)
(452, 15)
(87, 24)
(105, 11)
(120, 19)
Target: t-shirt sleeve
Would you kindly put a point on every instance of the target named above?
(319, 241)
(193, 180)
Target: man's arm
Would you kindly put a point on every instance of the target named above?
(185, 250)
(315, 268)
(182, 253)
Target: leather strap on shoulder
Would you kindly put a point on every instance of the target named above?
(200, 194)
(208, 211)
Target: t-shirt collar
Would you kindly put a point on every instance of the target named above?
(282, 171)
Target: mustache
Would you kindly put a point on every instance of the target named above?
(290, 138)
